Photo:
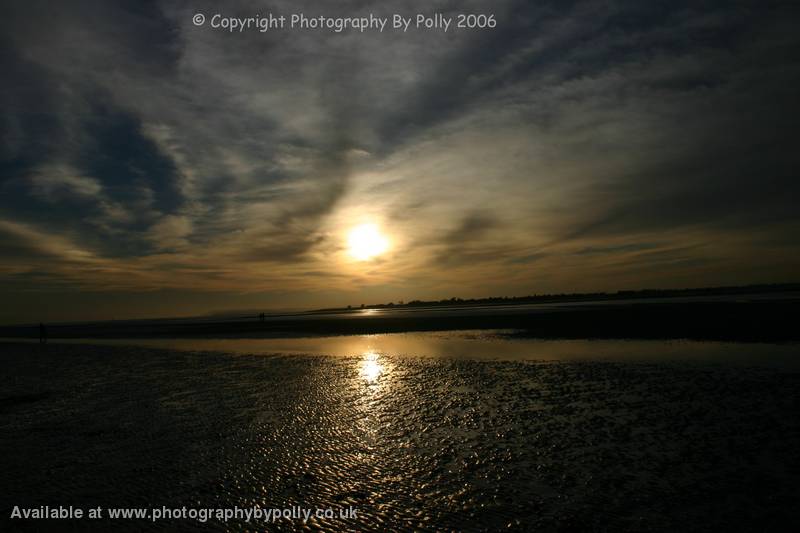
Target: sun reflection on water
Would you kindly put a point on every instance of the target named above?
(371, 368)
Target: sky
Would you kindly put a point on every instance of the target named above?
(151, 167)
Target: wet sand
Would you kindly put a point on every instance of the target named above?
(414, 443)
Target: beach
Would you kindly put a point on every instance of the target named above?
(752, 318)
(426, 443)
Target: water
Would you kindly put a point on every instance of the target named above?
(433, 432)
(497, 345)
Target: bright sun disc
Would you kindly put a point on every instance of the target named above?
(365, 242)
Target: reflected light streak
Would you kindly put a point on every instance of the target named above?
(371, 368)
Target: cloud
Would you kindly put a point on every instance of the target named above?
(171, 232)
(580, 137)
(51, 182)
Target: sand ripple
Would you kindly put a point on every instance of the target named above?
(425, 444)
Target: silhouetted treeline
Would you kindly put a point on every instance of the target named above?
(591, 296)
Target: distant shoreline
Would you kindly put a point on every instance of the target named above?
(770, 288)
(767, 291)
(752, 320)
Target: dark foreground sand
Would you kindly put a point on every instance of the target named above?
(428, 444)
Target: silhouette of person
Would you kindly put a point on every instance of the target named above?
(42, 333)
(262, 316)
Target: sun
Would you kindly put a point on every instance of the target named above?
(366, 242)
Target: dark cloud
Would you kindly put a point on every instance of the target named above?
(470, 242)
(127, 164)
(473, 227)
(630, 247)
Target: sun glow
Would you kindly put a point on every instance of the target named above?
(365, 242)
